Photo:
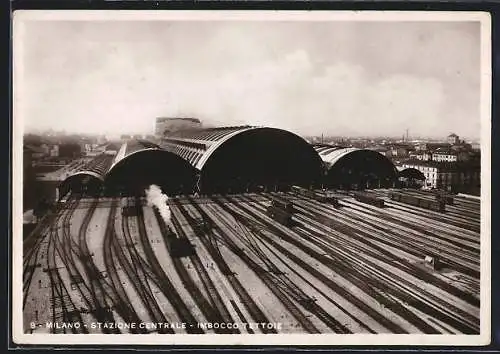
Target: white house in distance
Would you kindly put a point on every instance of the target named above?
(449, 155)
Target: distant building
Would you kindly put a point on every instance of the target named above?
(420, 155)
(165, 125)
(447, 155)
(431, 146)
(453, 139)
(462, 146)
(400, 150)
(45, 148)
(451, 176)
(34, 152)
(54, 151)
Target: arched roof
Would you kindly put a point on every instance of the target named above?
(197, 145)
(412, 173)
(242, 152)
(331, 156)
(89, 173)
(141, 162)
(325, 149)
(354, 165)
(219, 139)
(131, 147)
(204, 142)
(95, 171)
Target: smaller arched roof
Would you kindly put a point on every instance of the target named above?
(94, 171)
(331, 154)
(354, 166)
(89, 173)
(325, 149)
(141, 162)
(412, 173)
(334, 154)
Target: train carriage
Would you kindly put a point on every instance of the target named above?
(323, 196)
(368, 199)
(436, 205)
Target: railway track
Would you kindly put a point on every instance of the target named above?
(373, 234)
(461, 249)
(373, 249)
(459, 236)
(441, 217)
(381, 280)
(31, 250)
(458, 203)
(285, 290)
(401, 212)
(344, 292)
(265, 275)
(212, 307)
(63, 308)
(393, 233)
(138, 274)
(120, 299)
(163, 282)
(437, 308)
(458, 212)
(96, 280)
(70, 252)
(210, 242)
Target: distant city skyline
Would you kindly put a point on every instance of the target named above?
(312, 78)
(115, 136)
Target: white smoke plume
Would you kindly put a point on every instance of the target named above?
(158, 199)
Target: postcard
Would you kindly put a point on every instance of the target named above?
(251, 178)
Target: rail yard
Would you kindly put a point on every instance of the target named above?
(232, 264)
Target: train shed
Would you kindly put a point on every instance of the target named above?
(246, 158)
(354, 168)
(140, 163)
(89, 179)
(411, 177)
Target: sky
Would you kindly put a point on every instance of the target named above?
(312, 78)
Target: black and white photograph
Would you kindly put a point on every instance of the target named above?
(251, 177)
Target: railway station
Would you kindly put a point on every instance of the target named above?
(232, 160)
(243, 225)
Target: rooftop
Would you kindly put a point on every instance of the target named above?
(444, 151)
(163, 119)
(443, 164)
